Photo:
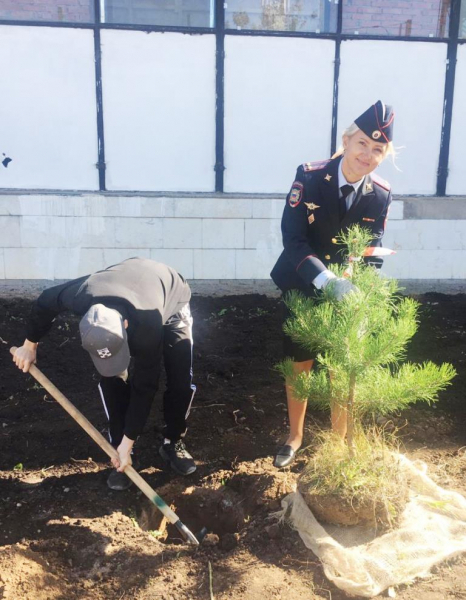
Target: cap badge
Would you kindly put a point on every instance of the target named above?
(104, 353)
(376, 134)
(311, 205)
(328, 177)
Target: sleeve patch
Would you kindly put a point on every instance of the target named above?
(296, 194)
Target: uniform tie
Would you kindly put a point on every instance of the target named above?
(345, 191)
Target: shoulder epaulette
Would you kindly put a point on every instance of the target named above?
(314, 166)
(380, 182)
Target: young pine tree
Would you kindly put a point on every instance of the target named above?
(360, 343)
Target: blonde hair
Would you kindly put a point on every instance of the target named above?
(389, 149)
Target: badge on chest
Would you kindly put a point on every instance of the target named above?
(311, 207)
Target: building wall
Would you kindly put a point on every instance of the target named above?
(159, 118)
(278, 109)
(456, 182)
(204, 237)
(159, 109)
(397, 73)
(48, 111)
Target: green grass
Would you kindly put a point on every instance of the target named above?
(372, 474)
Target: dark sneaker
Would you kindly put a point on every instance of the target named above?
(118, 481)
(178, 457)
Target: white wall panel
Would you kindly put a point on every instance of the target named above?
(159, 110)
(48, 108)
(456, 182)
(411, 77)
(278, 109)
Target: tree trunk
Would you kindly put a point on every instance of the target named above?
(350, 416)
(338, 415)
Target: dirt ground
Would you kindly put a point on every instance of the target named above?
(64, 535)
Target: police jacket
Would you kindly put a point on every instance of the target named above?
(147, 294)
(311, 222)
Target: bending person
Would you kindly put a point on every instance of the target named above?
(136, 309)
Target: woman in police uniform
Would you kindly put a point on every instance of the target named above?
(325, 198)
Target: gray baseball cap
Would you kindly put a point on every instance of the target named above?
(103, 335)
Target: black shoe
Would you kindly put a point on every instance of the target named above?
(118, 481)
(178, 457)
(285, 456)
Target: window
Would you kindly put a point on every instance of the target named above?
(462, 32)
(423, 18)
(316, 16)
(177, 13)
(66, 11)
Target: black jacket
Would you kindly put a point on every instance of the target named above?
(311, 222)
(145, 292)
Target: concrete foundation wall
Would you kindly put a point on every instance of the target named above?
(54, 237)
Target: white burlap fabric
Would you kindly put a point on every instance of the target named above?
(432, 529)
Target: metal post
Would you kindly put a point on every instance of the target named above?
(336, 78)
(452, 51)
(98, 90)
(220, 94)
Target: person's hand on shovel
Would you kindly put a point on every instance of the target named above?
(25, 356)
(124, 454)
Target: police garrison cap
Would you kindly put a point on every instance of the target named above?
(377, 122)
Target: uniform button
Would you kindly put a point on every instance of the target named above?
(334, 240)
(327, 257)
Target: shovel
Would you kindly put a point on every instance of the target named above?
(112, 453)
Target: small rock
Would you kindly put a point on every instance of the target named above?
(18, 504)
(273, 531)
(211, 539)
(66, 490)
(226, 504)
(229, 541)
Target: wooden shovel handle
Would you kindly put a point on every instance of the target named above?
(100, 440)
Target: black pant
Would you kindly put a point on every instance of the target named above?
(177, 351)
(292, 349)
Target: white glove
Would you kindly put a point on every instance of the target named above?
(339, 287)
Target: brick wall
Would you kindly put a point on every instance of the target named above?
(396, 17)
(377, 17)
(75, 11)
(65, 236)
